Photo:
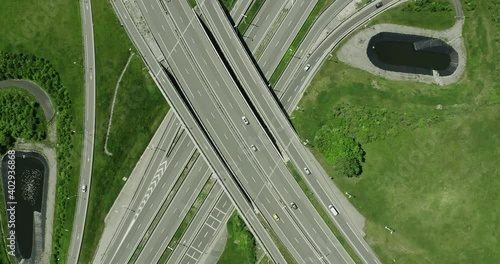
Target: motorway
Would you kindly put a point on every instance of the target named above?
(162, 174)
(320, 49)
(262, 22)
(265, 168)
(239, 10)
(88, 133)
(276, 120)
(282, 39)
(197, 134)
(209, 221)
(173, 216)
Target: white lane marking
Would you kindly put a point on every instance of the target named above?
(176, 164)
(163, 28)
(187, 71)
(206, 233)
(226, 137)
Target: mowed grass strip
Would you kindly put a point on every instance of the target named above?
(250, 15)
(433, 185)
(324, 214)
(439, 20)
(164, 207)
(240, 244)
(229, 4)
(320, 6)
(52, 30)
(281, 247)
(187, 219)
(139, 110)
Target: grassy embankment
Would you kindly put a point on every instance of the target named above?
(434, 184)
(139, 110)
(228, 4)
(52, 30)
(250, 15)
(240, 244)
(320, 6)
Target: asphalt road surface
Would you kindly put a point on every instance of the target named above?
(286, 33)
(37, 91)
(267, 165)
(277, 122)
(262, 22)
(88, 133)
(239, 10)
(197, 133)
(163, 174)
(208, 222)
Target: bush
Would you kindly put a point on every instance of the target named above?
(428, 5)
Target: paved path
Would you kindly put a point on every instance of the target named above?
(41, 96)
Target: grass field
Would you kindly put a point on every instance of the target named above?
(439, 20)
(240, 244)
(250, 15)
(139, 109)
(52, 30)
(434, 185)
(228, 4)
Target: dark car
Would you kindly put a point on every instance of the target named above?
(293, 205)
(379, 4)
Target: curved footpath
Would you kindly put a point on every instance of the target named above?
(37, 91)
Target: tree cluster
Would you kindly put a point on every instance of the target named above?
(348, 127)
(428, 5)
(19, 118)
(41, 71)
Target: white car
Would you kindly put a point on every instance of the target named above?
(253, 147)
(245, 120)
(308, 66)
(333, 210)
(308, 172)
(84, 188)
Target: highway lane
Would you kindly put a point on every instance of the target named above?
(212, 120)
(300, 78)
(207, 224)
(197, 134)
(88, 135)
(322, 245)
(239, 9)
(298, 61)
(173, 216)
(286, 33)
(275, 119)
(144, 207)
(262, 22)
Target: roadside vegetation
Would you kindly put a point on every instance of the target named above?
(40, 42)
(320, 6)
(139, 110)
(229, 4)
(429, 172)
(250, 15)
(438, 14)
(240, 245)
(20, 117)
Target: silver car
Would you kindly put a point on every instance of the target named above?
(245, 120)
(307, 171)
(308, 66)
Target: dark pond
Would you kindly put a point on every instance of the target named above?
(412, 54)
(30, 174)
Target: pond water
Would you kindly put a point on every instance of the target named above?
(412, 54)
(30, 173)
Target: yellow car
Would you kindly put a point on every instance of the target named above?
(276, 217)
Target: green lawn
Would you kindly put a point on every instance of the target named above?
(228, 4)
(52, 30)
(139, 109)
(240, 244)
(434, 184)
(439, 20)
